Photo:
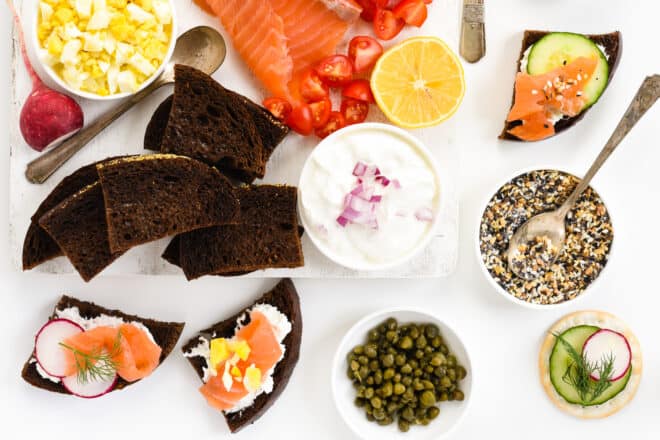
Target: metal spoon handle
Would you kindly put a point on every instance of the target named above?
(42, 167)
(647, 95)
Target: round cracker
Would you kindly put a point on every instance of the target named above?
(602, 320)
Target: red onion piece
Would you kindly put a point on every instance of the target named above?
(360, 169)
(424, 215)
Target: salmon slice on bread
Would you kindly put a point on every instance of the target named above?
(165, 335)
(610, 44)
(285, 298)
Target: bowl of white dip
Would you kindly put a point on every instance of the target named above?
(369, 196)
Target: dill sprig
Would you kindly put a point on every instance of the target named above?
(99, 364)
(579, 373)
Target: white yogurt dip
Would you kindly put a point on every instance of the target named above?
(407, 208)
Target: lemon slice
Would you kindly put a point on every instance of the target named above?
(418, 83)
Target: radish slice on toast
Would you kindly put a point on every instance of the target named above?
(605, 343)
(47, 349)
(89, 390)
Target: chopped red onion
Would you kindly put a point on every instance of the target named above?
(424, 215)
(360, 169)
(396, 183)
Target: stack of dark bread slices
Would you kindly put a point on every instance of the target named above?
(207, 135)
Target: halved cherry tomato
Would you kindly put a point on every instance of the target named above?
(359, 89)
(335, 70)
(300, 119)
(354, 110)
(387, 25)
(279, 107)
(364, 52)
(320, 112)
(335, 122)
(312, 87)
(368, 9)
(413, 12)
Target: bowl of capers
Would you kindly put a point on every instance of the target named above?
(401, 373)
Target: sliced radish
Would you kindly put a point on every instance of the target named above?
(47, 349)
(88, 390)
(605, 343)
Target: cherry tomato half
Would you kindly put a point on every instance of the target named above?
(359, 89)
(354, 110)
(279, 107)
(320, 112)
(368, 9)
(335, 70)
(335, 122)
(387, 25)
(364, 52)
(300, 119)
(413, 12)
(311, 86)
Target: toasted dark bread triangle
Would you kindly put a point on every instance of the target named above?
(266, 236)
(613, 45)
(152, 196)
(78, 226)
(270, 129)
(166, 335)
(285, 298)
(38, 246)
(211, 125)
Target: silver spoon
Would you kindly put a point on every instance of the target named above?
(548, 230)
(201, 47)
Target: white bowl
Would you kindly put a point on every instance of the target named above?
(343, 260)
(505, 293)
(93, 96)
(343, 392)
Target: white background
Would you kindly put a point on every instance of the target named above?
(503, 338)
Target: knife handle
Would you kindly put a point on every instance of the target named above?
(473, 31)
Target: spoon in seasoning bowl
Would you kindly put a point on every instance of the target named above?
(536, 244)
(201, 47)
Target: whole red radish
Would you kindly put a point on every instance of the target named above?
(48, 117)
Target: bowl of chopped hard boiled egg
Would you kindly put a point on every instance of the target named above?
(104, 49)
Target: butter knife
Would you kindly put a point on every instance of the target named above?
(473, 32)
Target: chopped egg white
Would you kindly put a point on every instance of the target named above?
(138, 14)
(93, 42)
(142, 64)
(46, 11)
(127, 82)
(100, 20)
(70, 52)
(163, 11)
(83, 8)
(70, 31)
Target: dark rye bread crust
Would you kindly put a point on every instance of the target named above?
(153, 135)
(78, 226)
(166, 335)
(265, 237)
(152, 196)
(209, 124)
(613, 44)
(38, 246)
(285, 298)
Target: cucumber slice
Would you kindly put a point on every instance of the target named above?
(560, 48)
(560, 360)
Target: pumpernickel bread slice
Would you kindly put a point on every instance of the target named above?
(38, 246)
(166, 335)
(153, 136)
(265, 237)
(209, 124)
(285, 298)
(152, 196)
(78, 226)
(612, 44)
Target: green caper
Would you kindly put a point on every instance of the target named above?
(409, 395)
(363, 372)
(432, 331)
(355, 365)
(397, 378)
(386, 390)
(358, 350)
(408, 414)
(399, 389)
(363, 360)
(443, 397)
(360, 391)
(427, 399)
(419, 354)
(371, 351)
(407, 380)
(452, 374)
(400, 359)
(436, 342)
(406, 343)
(443, 349)
(424, 421)
(413, 331)
(388, 374)
(451, 360)
(392, 408)
(428, 385)
(359, 402)
(404, 426)
(387, 420)
(420, 342)
(387, 360)
(382, 329)
(440, 371)
(458, 395)
(391, 324)
(373, 335)
(433, 412)
(406, 369)
(369, 380)
(369, 393)
(350, 374)
(445, 382)
(379, 413)
(429, 369)
(378, 377)
(461, 372)
(376, 402)
(417, 385)
(392, 336)
(374, 365)
(418, 373)
(438, 359)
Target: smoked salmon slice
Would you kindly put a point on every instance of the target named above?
(538, 97)
(278, 39)
(134, 353)
(265, 352)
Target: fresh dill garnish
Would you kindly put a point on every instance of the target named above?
(99, 364)
(580, 370)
